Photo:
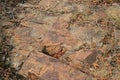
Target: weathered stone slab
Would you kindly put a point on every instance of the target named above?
(48, 68)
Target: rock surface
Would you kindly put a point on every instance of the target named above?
(55, 36)
(45, 67)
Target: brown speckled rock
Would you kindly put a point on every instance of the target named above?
(48, 68)
(55, 32)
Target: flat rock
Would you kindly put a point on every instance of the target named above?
(48, 68)
(86, 56)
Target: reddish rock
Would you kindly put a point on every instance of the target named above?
(60, 34)
(88, 56)
(55, 36)
(48, 68)
(54, 50)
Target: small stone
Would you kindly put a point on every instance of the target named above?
(2, 57)
(51, 49)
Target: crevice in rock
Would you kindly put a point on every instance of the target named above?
(54, 51)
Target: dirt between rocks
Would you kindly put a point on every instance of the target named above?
(60, 39)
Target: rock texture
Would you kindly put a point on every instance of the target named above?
(55, 36)
(45, 67)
